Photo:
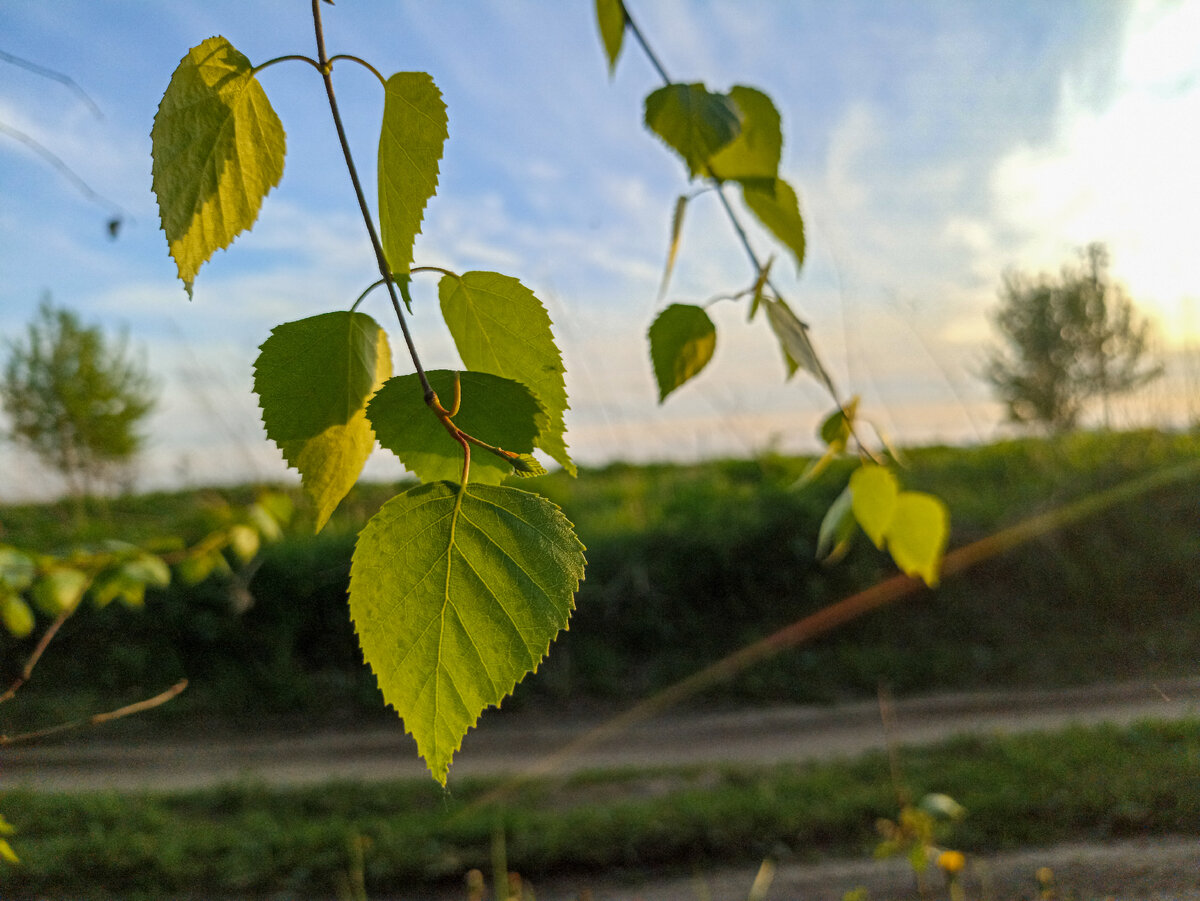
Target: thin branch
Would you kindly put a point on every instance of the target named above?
(327, 77)
(66, 171)
(53, 76)
(96, 719)
(743, 238)
(38, 651)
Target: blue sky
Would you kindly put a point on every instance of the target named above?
(933, 144)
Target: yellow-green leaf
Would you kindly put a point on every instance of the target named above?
(753, 156)
(676, 230)
(873, 491)
(217, 149)
(610, 18)
(682, 341)
(775, 205)
(17, 617)
(500, 327)
(918, 534)
(693, 121)
(456, 596)
(60, 589)
(499, 411)
(314, 378)
(837, 529)
(792, 334)
(410, 145)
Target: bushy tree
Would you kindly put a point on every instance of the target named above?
(1067, 341)
(75, 397)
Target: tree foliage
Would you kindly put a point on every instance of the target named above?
(75, 397)
(1067, 341)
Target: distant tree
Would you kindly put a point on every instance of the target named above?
(75, 398)
(1067, 341)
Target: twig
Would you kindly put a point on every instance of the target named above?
(96, 719)
(327, 77)
(34, 657)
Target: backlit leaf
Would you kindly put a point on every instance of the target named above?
(455, 598)
(17, 569)
(874, 490)
(313, 378)
(217, 149)
(673, 251)
(18, 619)
(757, 293)
(500, 327)
(59, 590)
(753, 156)
(837, 529)
(410, 146)
(836, 429)
(610, 17)
(776, 206)
(244, 541)
(682, 341)
(918, 534)
(797, 347)
(497, 410)
(694, 122)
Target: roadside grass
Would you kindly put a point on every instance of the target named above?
(250, 840)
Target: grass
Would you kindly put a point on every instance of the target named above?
(248, 840)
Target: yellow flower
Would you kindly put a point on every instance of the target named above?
(951, 862)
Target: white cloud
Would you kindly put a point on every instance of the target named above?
(1124, 174)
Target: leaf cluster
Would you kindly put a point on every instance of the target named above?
(459, 585)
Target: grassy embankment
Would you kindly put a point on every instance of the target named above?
(687, 564)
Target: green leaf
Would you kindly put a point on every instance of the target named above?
(836, 429)
(410, 146)
(195, 568)
(456, 596)
(673, 251)
(244, 542)
(682, 341)
(918, 534)
(776, 206)
(59, 590)
(610, 17)
(760, 286)
(797, 347)
(837, 529)
(693, 122)
(500, 327)
(313, 378)
(217, 149)
(526, 466)
(17, 569)
(18, 619)
(497, 410)
(874, 490)
(753, 156)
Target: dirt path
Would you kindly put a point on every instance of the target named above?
(512, 744)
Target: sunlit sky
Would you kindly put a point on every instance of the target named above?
(933, 144)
